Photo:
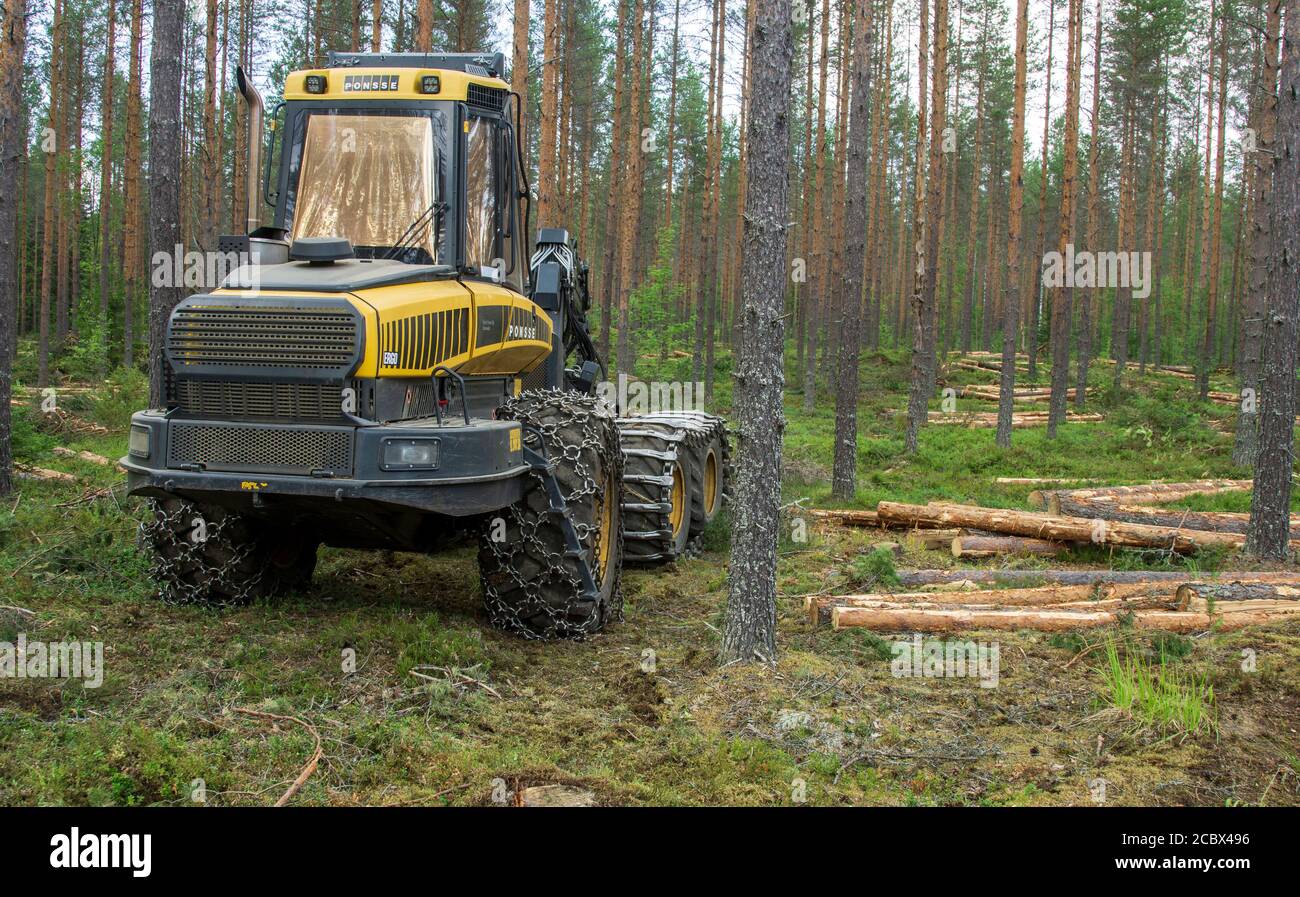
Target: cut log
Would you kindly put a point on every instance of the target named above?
(91, 457)
(907, 619)
(914, 578)
(43, 474)
(1145, 493)
(1055, 528)
(818, 606)
(845, 517)
(932, 539)
(985, 419)
(1231, 595)
(1209, 521)
(992, 546)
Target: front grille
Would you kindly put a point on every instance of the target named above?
(266, 336)
(485, 97)
(284, 450)
(233, 399)
(420, 342)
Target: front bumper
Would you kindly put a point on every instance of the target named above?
(479, 468)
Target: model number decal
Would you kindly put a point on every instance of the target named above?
(250, 486)
(390, 359)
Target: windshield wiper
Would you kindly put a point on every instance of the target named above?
(407, 240)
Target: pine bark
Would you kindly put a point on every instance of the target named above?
(133, 242)
(1271, 499)
(844, 475)
(1035, 295)
(1216, 231)
(13, 143)
(749, 631)
(165, 152)
(1088, 294)
(1062, 305)
(924, 308)
(1011, 305)
(549, 135)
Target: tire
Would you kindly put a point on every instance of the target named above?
(529, 586)
(658, 489)
(703, 450)
(710, 469)
(209, 555)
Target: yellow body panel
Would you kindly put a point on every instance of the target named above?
(413, 328)
(453, 85)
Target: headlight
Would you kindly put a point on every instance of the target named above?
(409, 454)
(137, 443)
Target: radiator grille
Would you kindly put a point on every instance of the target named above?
(221, 398)
(422, 341)
(485, 97)
(262, 336)
(285, 450)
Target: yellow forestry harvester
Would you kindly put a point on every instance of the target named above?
(395, 367)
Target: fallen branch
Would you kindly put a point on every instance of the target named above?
(43, 474)
(311, 764)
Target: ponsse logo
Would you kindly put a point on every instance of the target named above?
(523, 331)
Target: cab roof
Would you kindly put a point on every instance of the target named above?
(377, 76)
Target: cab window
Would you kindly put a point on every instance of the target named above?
(489, 222)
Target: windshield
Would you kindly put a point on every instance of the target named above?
(368, 177)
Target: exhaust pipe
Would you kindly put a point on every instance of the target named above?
(253, 98)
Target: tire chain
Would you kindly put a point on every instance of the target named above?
(575, 411)
(174, 557)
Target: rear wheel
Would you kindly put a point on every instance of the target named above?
(530, 586)
(658, 489)
(209, 555)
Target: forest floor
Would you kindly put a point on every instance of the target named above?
(829, 724)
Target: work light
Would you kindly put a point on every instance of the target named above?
(409, 454)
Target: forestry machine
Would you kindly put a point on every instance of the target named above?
(395, 367)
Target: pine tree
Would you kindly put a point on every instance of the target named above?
(749, 630)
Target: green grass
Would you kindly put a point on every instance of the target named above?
(1166, 697)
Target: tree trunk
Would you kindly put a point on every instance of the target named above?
(844, 475)
(133, 242)
(817, 297)
(423, 28)
(1271, 501)
(1035, 296)
(1063, 297)
(1216, 231)
(106, 184)
(1261, 243)
(13, 145)
(1089, 293)
(165, 152)
(923, 349)
(631, 199)
(749, 632)
(1015, 211)
(548, 214)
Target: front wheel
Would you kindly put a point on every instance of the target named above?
(530, 586)
(205, 554)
